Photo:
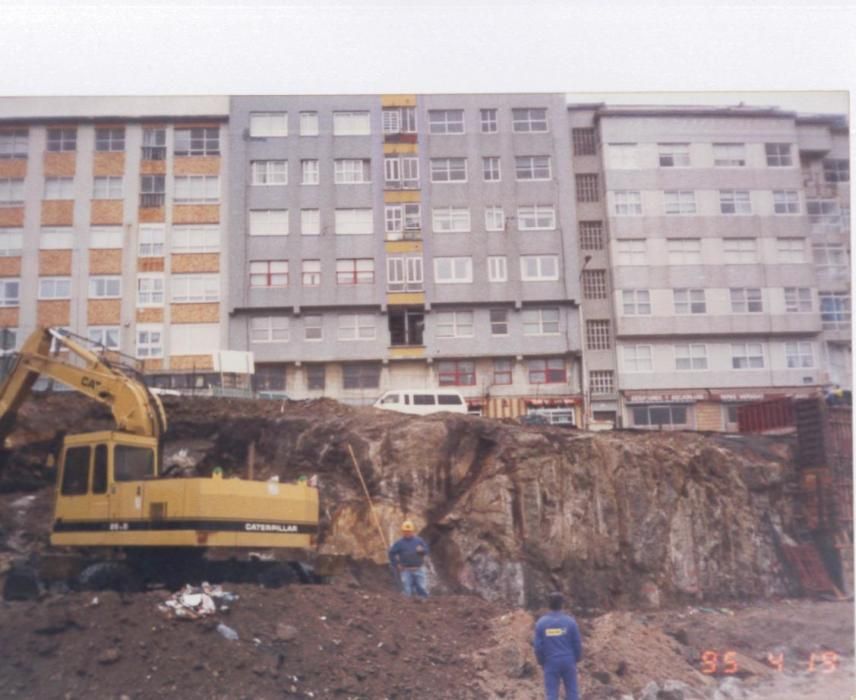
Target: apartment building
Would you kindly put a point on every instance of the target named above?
(110, 226)
(398, 241)
(718, 276)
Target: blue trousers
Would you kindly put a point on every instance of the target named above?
(414, 581)
(563, 668)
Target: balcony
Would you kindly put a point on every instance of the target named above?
(152, 200)
(406, 235)
(154, 152)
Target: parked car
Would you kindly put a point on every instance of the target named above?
(422, 401)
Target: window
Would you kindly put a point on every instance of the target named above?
(632, 251)
(309, 123)
(735, 202)
(835, 310)
(679, 201)
(454, 324)
(658, 416)
(830, 259)
(150, 290)
(356, 327)
(540, 322)
(494, 218)
(10, 292)
(269, 172)
(199, 189)
(62, 139)
(352, 171)
(310, 273)
(268, 222)
(105, 336)
(269, 378)
(786, 202)
(533, 167)
(491, 169)
(628, 203)
(747, 356)
(195, 239)
(315, 380)
(453, 270)
(536, 217)
(797, 299)
(597, 335)
(154, 144)
(746, 300)
(446, 121)
(267, 124)
(13, 144)
(11, 191)
(529, 119)
(638, 358)
(740, 250)
(355, 271)
(360, 376)
(497, 268)
(58, 238)
(489, 121)
(622, 156)
(353, 222)
(834, 169)
(351, 124)
(594, 284)
(448, 170)
(587, 189)
(729, 155)
(674, 155)
(310, 222)
(313, 328)
(402, 217)
(75, 473)
(401, 172)
(54, 288)
(691, 356)
(799, 355)
(539, 268)
(59, 188)
(825, 216)
(499, 321)
(502, 372)
(585, 143)
(636, 302)
(591, 235)
(107, 188)
(11, 240)
(684, 251)
(109, 237)
(198, 141)
(791, 250)
(399, 120)
(404, 274)
(188, 338)
(547, 370)
(151, 241)
(778, 155)
(601, 381)
(450, 219)
(689, 301)
(267, 273)
(309, 174)
(152, 189)
(187, 289)
(456, 373)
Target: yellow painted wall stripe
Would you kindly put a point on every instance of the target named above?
(398, 100)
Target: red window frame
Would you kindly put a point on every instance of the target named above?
(551, 375)
(268, 275)
(456, 372)
(504, 373)
(353, 276)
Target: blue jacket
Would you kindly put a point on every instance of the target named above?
(557, 636)
(403, 552)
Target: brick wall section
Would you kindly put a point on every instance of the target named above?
(106, 211)
(58, 212)
(152, 215)
(13, 168)
(196, 214)
(153, 167)
(150, 315)
(105, 262)
(201, 262)
(708, 416)
(59, 164)
(54, 263)
(197, 362)
(152, 365)
(108, 164)
(10, 267)
(9, 317)
(194, 313)
(150, 264)
(12, 216)
(53, 313)
(196, 165)
(103, 312)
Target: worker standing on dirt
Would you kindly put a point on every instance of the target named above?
(407, 557)
(558, 649)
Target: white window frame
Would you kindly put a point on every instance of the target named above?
(683, 251)
(636, 302)
(310, 222)
(679, 202)
(11, 242)
(352, 123)
(266, 173)
(309, 124)
(459, 269)
(267, 222)
(786, 202)
(14, 144)
(499, 325)
(356, 327)
(10, 292)
(268, 124)
(743, 298)
(107, 187)
(735, 202)
(151, 290)
(675, 155)
(398, 120)
(402, 217)
(106, 238)
(830, 259)
(149, 341)
(446, 121)
(631, 251)
(729, 155)
(313, 328)
(454, 324)
(489, 120)
(638, 359)
(693, 357)
(11, 191)
(783, 156)
(536, 217)
(622, 156)
(527, 120)
(106, 337)
(533, 168)
(494, 218)
(627, 202)
(537, 268)
(739, 251)
(544, 321)
(310, 171)
(59, 188)
(310, 273)
(689, 301)
(798, 300)
(52, 288)
(361, 223)
(195, 289)
(448, 170)
(491, 168)
(269, 329)
(195, 238)
(196, 189)
(451, 220)
(151, 241)
(497, 268)
(791, 250)
(799, 354)
(745, 353)
(352, 171)
(401, 172)
(56, 238)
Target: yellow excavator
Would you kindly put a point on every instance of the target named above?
(111, 496)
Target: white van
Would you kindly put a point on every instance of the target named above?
(422, 401)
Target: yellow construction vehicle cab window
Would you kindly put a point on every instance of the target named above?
(75, 475)
(99, 470)
(133, 463)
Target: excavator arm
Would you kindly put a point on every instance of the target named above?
(135, 409)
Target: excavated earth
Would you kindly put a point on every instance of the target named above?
(650, 536)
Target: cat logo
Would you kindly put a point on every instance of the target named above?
(554, 631)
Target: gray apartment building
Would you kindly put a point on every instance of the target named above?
(401, 241)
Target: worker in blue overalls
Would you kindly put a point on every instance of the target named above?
(407, 557)
(558, 649)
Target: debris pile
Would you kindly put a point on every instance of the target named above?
(193, 603)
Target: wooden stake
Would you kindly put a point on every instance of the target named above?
(251, 460)
(368, 498)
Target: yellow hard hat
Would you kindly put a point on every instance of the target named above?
(407, 526)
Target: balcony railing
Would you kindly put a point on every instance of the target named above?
(154, 152)
(150, 200)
